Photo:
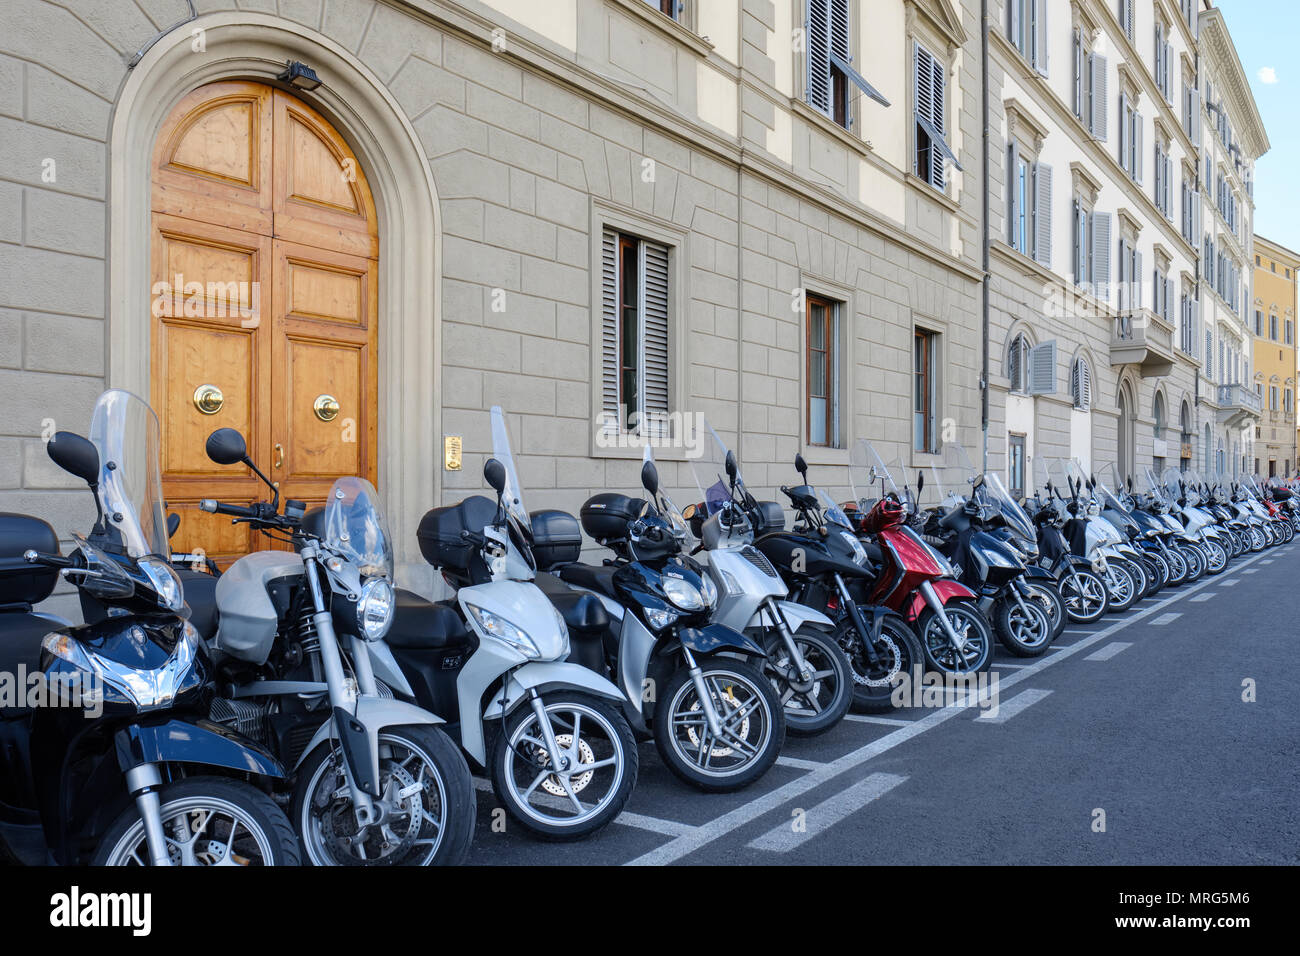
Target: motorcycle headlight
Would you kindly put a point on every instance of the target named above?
(659, 618)
(503, 630)
(164, 581)
(859, 552)
(682, 593)
(375, 608)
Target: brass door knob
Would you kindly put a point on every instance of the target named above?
(326, 407)
(208, 399)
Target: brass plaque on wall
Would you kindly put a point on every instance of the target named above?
(451, 452)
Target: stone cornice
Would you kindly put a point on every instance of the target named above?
(1217, 42)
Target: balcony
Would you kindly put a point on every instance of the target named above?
(1144, 340)
(1238, 405)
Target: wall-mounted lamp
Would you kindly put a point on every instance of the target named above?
(299, 75)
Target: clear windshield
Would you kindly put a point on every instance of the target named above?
(869, 477)
(953, 475)
(1109, 488)
(834, 513)
(355, 527)
(1012, 513)
(711, 472)
(512, 495)
(124, 430)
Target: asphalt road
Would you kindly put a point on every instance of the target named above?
(1136, 722)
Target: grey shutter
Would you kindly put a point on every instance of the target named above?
(1158, 51)
(1015, 367)
(931, 81)
(655, 293)
(1137, 279)
(1013, 191)
(1196, 117)
(1043, 214)
(1013, 22)
(1101, 255)
(1098, 80)
(1042, 369)
(1124, 131)
(1081, 385)
(1040, 36)
(609, 328)
(1078, 73)
(1128, 17)
(818, 91)
(1137, 146)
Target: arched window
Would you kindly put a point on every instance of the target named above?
(1158, 413)
(1018, 363)
(1081, 384)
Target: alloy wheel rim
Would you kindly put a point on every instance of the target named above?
(583, 757)
(745, 717)
(186, 822)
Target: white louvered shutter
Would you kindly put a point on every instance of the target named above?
(931, 88)
(1101, 255)
(1099, 107)
(1043, 214)
(818, 91)
(609, 329)
(1013, 191)
(1081, 385)
(1040, 36)
(655, 293)
(1042, 369)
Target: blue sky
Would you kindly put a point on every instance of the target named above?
(1267, 35)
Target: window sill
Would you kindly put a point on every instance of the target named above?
(929, 192)
(830, 127)
(666, 24)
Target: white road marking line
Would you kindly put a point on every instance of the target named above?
(1164, 619)
(1107, 652)
(783, 838)
(1008, 664)
(1208, 595)
(1229, 581)
(1015, 705)
(798, 764)
(719, 827)
(1078, 631)
(1250, 571)
(870, 719)
(639, 821)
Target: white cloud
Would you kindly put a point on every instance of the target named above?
(1267, 75)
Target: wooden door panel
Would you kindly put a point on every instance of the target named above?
(195, 355)
(331, 293)
(316, 448)
(218, 538)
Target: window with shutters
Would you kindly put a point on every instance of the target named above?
(1017, 363)
(1029, 204)
(1089, 88)
(1158, 416)
(1081, 384)
(1272, 326)
(930, 96)
(1027, 31)
(1125, 14)
(925, 348)
(1091, 249)
(831, 84)
(1290, 332)
(1186, 317)
(1163, 171)
(1161, 60)
(635, 347)
(1259, 322)
(822, 372)
(1130, 137)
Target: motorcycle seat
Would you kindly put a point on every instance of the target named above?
(420, 624)
(20, 645)
(200, 590)
(581, 611)
(594, 578)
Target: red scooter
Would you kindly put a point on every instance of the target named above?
(916, 580)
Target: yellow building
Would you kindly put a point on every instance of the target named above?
(1274, 317)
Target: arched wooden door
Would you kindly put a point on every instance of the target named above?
(264, 262)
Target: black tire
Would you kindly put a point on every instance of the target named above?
(722, 676)
(613, 741)
(1141, 575)
(940, 655)
(1177, 566)
(1084, 593)
(1194, 557)
(1157, 570)
(454, 791)
(815, 706)
(1121, 585)
(1216, 557)
(898, 652)
(1025, 633)
(269, 832)
(1047, 595)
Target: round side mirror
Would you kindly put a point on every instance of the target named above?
(494, 473)
(650, 477)
(226, 447)
(75, 455)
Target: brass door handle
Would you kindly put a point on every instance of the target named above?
(326, 407)
(279, 455)
(208, 399)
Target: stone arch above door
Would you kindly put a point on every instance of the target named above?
(243, 45)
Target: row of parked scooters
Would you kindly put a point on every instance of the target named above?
(297, 707)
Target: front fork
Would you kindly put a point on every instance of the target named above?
(859, 622)
(143, 783)
(932, 599)
(558, 759)
(787, 638)
(711, 716)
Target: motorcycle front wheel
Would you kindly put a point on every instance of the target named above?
(1195, 560)
(427, 804)
(1050, 598)
(1085, 595)
(751, 732)
(207, 821)
(1177, 566)
(1216, 556)
(597, 774)
(1024, 631)
(969, 623)
(813, 704)
(1121, 585)
(897, 652)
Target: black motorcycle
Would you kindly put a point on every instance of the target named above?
(118, 765)
(717, 721)
(826, 567)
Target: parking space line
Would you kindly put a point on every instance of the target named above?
(1015, 705)
(1203, 597)
(870, 719)
(1078, 630)
(639, 821)
(799, 764)
(1107, 652)
(720, 826)
(1007, 664)
(1250, 571)
(783, 837)
(1164, 619)
(1224, 584)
